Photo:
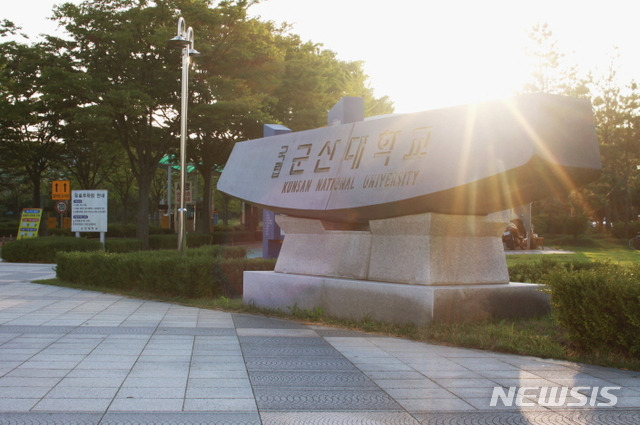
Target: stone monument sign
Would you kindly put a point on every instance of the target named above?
(393, 218)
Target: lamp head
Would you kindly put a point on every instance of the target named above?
(179, 42)
(182, 39)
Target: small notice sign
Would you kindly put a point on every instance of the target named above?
(187, 196)
(29, 223)
(60, 190)
(89, 211)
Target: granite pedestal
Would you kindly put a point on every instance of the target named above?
(410, 269)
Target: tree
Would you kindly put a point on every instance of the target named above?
(121, 83)
(552, 73)
(91, 152)
(267, 76)
(29, 120)
(129, 75)
(231, 85)
(312, 80)
(122, 184)
(252, 73)
(616, 111)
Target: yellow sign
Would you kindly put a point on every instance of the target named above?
(29, 223)
(60, 190)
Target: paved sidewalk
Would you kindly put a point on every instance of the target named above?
(80, 357)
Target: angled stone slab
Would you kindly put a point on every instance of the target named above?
(469, 160)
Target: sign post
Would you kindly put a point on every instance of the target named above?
(60, 192)
(89, 212)
(61, 207)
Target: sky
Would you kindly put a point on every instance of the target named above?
(427, 54)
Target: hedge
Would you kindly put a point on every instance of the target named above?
(123, 245)
(206, 272)
(599, 306)
(44, 250)
(225, 237)
(536, 271)
(9, 227)
(170, 241)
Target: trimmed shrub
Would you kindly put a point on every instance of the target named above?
(220, 238)
(44, 249)
(59, 232)
(599, 307)
(116, 230)
(206, 272)
(535, 272)
(230, 273)
(123, 245)
(170, 241)
(164, 241)
(221, 251)
(9, 228)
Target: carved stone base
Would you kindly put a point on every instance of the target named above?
(410, 269)
(423, 249)
(394, 302)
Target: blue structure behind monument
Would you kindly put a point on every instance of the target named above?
(272, 236)
(347, 110)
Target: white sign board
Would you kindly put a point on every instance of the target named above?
(89, 211)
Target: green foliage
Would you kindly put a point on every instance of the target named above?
(170, 241)
(59, 232)
(31, 117)
(123, 245)
(220, 238)
(306, 314)
(619, 230)
(195, 240)
(560, 223)
(599, 306)
(44, 250)
(571, 242)
(229, 273)
(9, 228)
(205, 272)
(536, 271)
(116, 230)
(220, 252)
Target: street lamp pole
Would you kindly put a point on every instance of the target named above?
(184, 40)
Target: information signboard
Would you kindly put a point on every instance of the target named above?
(29, 223)
(89, 211)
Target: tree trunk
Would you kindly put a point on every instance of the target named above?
(35, 200)
(142, 225)
(225, 210)
(204, 224)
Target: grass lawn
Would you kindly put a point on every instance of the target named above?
(540, 337)
(591, 248)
